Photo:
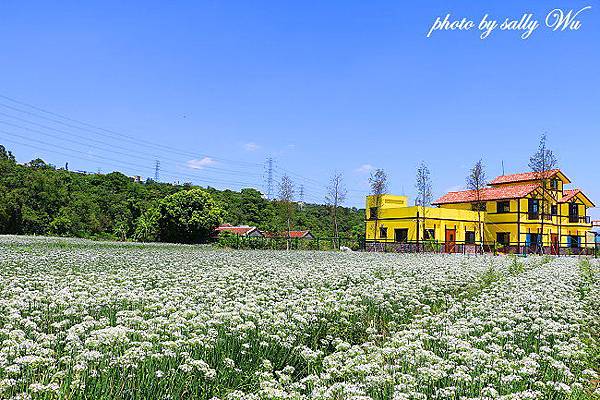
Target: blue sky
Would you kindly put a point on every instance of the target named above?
(212, 89)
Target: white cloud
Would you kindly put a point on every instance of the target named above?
(201, 163)
(251, 146)
(365, 168)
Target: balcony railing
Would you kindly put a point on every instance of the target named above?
(576, 219)
(538, 216)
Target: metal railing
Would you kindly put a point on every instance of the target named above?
(283, 243)
(580, 219)
(392, 246)
(538, 216)
(462, 247)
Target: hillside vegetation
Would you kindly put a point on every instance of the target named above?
(37, 198)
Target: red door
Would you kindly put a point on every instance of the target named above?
(554, 247)
(450, 246)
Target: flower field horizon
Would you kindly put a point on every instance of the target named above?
(93, 320)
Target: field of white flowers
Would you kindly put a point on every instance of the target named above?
(86, 320)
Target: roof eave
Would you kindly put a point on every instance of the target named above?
(564, 178)
(590, 203)
(475, 200)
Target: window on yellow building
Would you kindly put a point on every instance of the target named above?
(573, 212)
(401, 235)
(574, 241)
(503, 238)
(503, 207)
(533, 209)
(383, 232)
(429, 234)
(373, 213)
(481, 206)
(554, 209)
(470, 237)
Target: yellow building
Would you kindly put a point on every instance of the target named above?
(515, 213)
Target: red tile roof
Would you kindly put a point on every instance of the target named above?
(523, 177)
(298, 234)
(236, 230)
(293, 234)
(487, 194)
(569, 194)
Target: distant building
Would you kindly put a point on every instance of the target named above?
(136, 179)
(293, 234)
(510, 207)
(301, 235)
(241, 230)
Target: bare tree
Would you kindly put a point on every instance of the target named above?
(424, 195)
(541, 163)
(476, 181)
(286, 198)
(378, 183)
(336, 195)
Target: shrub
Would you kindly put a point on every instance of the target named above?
(188, 216)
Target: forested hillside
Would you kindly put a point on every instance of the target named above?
(37, 198)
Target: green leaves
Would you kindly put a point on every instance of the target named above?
(188, 216)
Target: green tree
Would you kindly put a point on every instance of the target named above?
(188, 216)
(36, 198)
(6, 155)
(286, 199)
(146, 226)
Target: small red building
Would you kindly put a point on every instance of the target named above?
(293, 234)
(241, 230)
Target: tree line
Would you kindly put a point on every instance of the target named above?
(38, 198)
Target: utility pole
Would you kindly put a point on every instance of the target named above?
(156, 170)
(269, 173)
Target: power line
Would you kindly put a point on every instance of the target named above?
(118, 162)
(121, 136)
(65, 121)
(71, 153)
(314, 183)
(107, 132)
(128, 152)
